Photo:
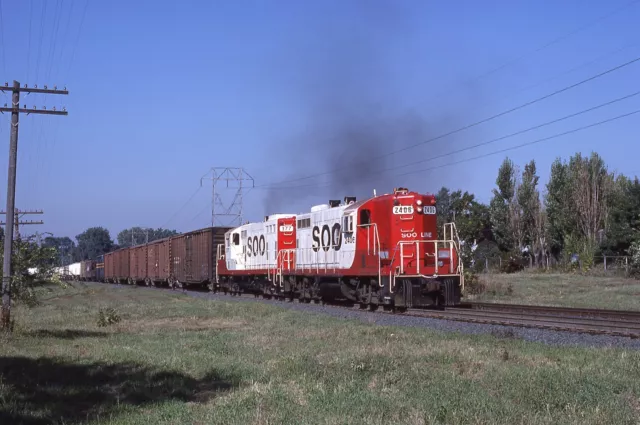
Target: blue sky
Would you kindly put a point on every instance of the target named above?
(160, 92)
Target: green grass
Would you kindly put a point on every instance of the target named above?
(173, 359)
(561, 289)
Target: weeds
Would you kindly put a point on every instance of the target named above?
(221, 361)
(108, 316)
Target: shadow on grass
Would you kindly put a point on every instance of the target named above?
(44, 391)
(64, 333)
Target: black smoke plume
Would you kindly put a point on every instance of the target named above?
(355, 117)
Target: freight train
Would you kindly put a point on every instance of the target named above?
(384, 251)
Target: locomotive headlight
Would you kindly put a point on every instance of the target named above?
(419, 209)
(418, 202)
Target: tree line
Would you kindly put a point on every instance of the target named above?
(584, 212)
(97, 241)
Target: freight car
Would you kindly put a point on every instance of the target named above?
(383, 251)
(188, 259)
(87, 270)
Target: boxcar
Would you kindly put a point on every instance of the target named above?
(99, 272)
(121, 266)
(193, 256)
(158, 261)
(110, 267)
(137, 264)
(87, 270)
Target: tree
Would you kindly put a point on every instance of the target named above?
(471, 217)
(590, 190)
(138, 235)
(31, 265)
(623, 227)
(64, 246)
(93, 242)
(443, 210)
(560, 222)
(501, 206)
(529, 203)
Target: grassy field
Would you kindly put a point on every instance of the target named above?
(561, 290)
(173, 359)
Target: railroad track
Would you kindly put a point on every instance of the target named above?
(560, 311)
(543, 318)
(579, 320)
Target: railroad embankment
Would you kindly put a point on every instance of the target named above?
(125, 355)
(560, 289)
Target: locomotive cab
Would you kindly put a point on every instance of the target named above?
(424, 269)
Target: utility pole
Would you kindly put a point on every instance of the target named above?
(229, 176)
(16, 221)
(11, 181)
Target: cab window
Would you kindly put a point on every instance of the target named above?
(236, 239)
(365, 217)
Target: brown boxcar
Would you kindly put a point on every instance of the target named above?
(110, 267)
(159, 261)
(87, 270)
(193, 256)
(122, 272)
(138, 264)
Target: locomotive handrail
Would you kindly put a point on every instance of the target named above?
(376, 236)
(218, 258)
(278, 267)
(449, 242)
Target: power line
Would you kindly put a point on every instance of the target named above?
(4, 66)
(474, 124)
(571, 70)
(555, 136)
(182, 207)
(29, 45)
(73, 51)
(64, 38)
(544, 139)
(42, 16)
(517, 133)
(544, 46)
(57, 18)
(558, 39)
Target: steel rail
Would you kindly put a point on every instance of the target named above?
(564, 311)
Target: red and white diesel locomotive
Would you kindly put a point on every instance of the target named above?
(383, 251)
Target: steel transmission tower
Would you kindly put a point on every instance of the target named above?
(224, 178)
